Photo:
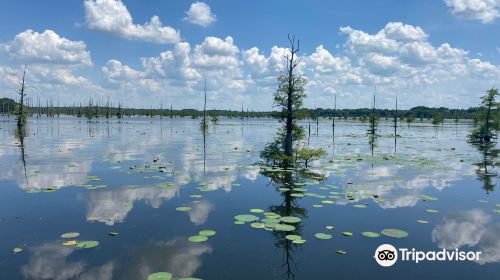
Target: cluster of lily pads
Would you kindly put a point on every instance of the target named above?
(202, 236)
(270, 221)
(79, 244)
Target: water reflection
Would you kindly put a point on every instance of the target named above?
(289, 207)
(486, 169)
(472, 228)
(178, 256)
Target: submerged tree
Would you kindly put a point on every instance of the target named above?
(22, 114)
(289, 99)
(489, 117)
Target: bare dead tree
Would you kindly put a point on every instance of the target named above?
(21, 118)
(291, 65)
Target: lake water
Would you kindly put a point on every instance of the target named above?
(129, 177)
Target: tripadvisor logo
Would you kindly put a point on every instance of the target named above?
(387, 255)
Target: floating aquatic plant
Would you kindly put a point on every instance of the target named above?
(197, 238)
(160, 276)
(70, 235)
(321, 235)
(396, 233)
(87, 244)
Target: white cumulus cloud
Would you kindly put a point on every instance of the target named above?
(46, 47)
(483, 10)
(112, 16)
(200, 14)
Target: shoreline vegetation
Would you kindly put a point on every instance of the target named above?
(102, 110)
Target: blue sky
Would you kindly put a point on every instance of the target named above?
(433, 53)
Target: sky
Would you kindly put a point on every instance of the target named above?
(159, 53)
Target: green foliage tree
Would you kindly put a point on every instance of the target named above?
(289, 99)
(488, 117)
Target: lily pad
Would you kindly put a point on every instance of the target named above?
(317, 205)
(293, 237)
(113, 233)
(197, 238)
(255, 210)
(299, 241)
(283, 227)
(239, 223)
(327, 201)
(70, 235)
(428, 197)
(330, 227)
(290, 219)
(270, 221)
(297, 194)
(207, 232)
(370, 234)
(87, 244)
(183, 208)
(17, 250)
(70, 243)
(321, 235)
(396, 233)
(246, 218)
(196, 196)
(432, 211)
(160, 276)
(422, 221)
(258, 225)
(359, 206)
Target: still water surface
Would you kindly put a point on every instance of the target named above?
(129, 176)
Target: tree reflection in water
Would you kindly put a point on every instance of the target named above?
(290, 179)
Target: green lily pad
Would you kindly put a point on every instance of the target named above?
(428, 197)
(160, 276)
(283, 227)
(432, 211)
(293, 237)
(299, 241)
(422, 221)
(113, 233)
(17, 250)
(183, 208)
(496, 211)
(359, 206)
(290, 219)
(297, 194)
(317, 205)
(70, 235)
(347, 233)
(87, 244)
(70, 243)
(321, 235)
(396, 233)
(370, 234)
(246, 218)
(256, 210)
(258, 225)
(327, 201)
(330, 227)
(197, 238)
(239, 223)
(196, 196)
(207, 232)
(270, 221)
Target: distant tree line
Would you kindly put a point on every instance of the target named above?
(102, 109)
